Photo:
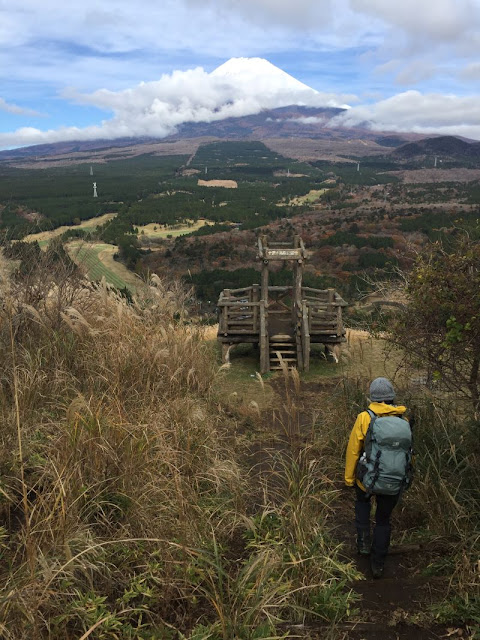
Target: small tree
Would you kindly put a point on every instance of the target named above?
(439, 328)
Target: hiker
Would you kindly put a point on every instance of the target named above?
(380, 465)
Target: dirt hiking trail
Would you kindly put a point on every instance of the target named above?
(390, 608)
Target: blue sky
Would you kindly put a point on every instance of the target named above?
(87, 69)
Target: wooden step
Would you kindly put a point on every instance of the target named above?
(280, 368)
(282, 351)
(281, 346)
(281, 337)
(287, 356)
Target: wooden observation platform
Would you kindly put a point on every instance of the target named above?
(283, 321)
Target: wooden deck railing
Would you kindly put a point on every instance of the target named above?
(320, 312)
(239, 311)
(324, 308)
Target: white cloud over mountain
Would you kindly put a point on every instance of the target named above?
(417, 112)
(243, 87)
(239, 87)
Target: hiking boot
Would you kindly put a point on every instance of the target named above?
(376, 567)
(364, 543)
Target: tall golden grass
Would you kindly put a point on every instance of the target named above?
(115, 459)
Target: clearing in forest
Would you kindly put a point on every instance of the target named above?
(228, 184)
(44, 237)
(97, 260)
(156, 230)
(311, 197)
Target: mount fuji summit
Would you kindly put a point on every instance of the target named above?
(272, 87)
(241, 72)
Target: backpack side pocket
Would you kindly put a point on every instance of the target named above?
(361, 469)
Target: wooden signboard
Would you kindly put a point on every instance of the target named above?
(282, 254)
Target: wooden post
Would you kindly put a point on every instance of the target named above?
(226, 294)
(224, 320)
(225, 355)
(299, 344)
(264, 346)
(255, 299)
(339, 321)
(305, 336)
(297, 289)
(264, 292)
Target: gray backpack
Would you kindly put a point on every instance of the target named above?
(385, 466)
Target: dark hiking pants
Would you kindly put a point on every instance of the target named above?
(382, 528)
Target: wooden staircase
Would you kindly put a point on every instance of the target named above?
(285, 345)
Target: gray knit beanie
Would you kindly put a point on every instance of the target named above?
(381, 390)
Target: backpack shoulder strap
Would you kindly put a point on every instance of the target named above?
(368, 433)
(373, 417)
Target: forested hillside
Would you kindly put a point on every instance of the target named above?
(357, 216)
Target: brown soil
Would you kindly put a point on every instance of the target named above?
(437, 175)
(227, 184)
(30, 216)
(318, 149)
(163, 148)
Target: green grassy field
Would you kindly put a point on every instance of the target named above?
(155, 231)
(44, 237)
(312, 196)
(97, 260)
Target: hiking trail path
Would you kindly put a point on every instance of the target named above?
(391, 608)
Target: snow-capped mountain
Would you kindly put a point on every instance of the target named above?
(269, 86)
(243, 71)
(195, 100)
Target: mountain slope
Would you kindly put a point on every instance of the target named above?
(445, 146)
(291, 122)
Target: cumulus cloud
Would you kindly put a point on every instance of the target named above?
(408, 74)
(239, 88)
(15, 109)
(212, 26)
(302, 13)
(442, 20)
(471, 72)
(29, 135)
(439, 20)
(415, 72)
(420, 113)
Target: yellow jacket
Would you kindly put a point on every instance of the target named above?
(357, 437)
